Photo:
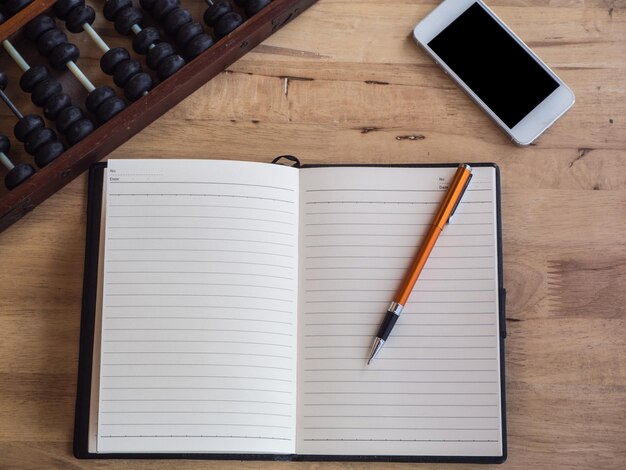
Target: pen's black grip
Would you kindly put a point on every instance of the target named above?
(387, 325)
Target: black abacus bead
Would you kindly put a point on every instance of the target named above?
(4, 80)
(17, 175)
(11, 7)
(104, 103)
(48, 152)
(158, 53)
(216, 11)
(5, 144)
(187, 32)
(124, 71)
(45, 90)
(176, 19)
(97, 97)
(26, 125)
(169, 66)
(252, 7)
(37, 138)
(32, 76)
(49, 40)
(111, 58)
(62, 54)
(147, 5)
(110, 108)
(112, 7)
(55, 104)
(198, 45)
(137, 86)
(78, 17)
(79, 130)
(163, 7)
(35, 28)
(227, 23)
(126, 19)
(145, 38)
(67, 117)
(62, 8)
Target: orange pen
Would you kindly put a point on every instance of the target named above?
(449, 204)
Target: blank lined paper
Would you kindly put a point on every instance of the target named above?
(198, 325)
(435, 387)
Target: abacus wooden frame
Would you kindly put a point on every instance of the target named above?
(106, 138)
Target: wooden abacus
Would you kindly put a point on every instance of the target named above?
(188, 57)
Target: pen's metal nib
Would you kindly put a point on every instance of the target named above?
(376, 347)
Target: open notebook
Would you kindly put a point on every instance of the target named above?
(229, 308)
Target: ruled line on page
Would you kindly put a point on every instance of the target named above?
(221, 273)
(185, 400)
(401, 347)
(152, 183)
(181, 227)
(217, 436)
(378, 190)
(405, 381)
(391, 202)
(403, 417)
(398, 393)
(164, 341)
(211, 284)
(390, 246)
(203, 364)
(205, 239)
(398, 440)
(187, 250)
(248, 219)
(202, 195)
(225, 307)
(156, 317)
(413, 213)
(404, 224)
(212, 206)
(143, 294)
(230, 389)
(199, 412)
(200, 353)
(219, 330)
(398, 428)
(364, 312)
(200, 376)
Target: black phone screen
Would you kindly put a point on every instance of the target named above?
(493, 65)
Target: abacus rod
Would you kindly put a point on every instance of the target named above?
(10, 104)
(72, 67)
(136, 29)
(95, 37)
(16, 56)
(6, 162)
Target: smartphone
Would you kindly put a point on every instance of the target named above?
(490, 63)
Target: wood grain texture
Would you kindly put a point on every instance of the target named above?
(344, 83)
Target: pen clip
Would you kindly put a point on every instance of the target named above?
(460, 197)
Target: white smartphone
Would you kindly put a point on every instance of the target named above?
(499, 72)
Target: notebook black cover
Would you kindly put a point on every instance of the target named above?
(85, 360)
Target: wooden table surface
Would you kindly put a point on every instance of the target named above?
(344, 83)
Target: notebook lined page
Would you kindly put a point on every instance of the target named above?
(435, 387)
(198, 324)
